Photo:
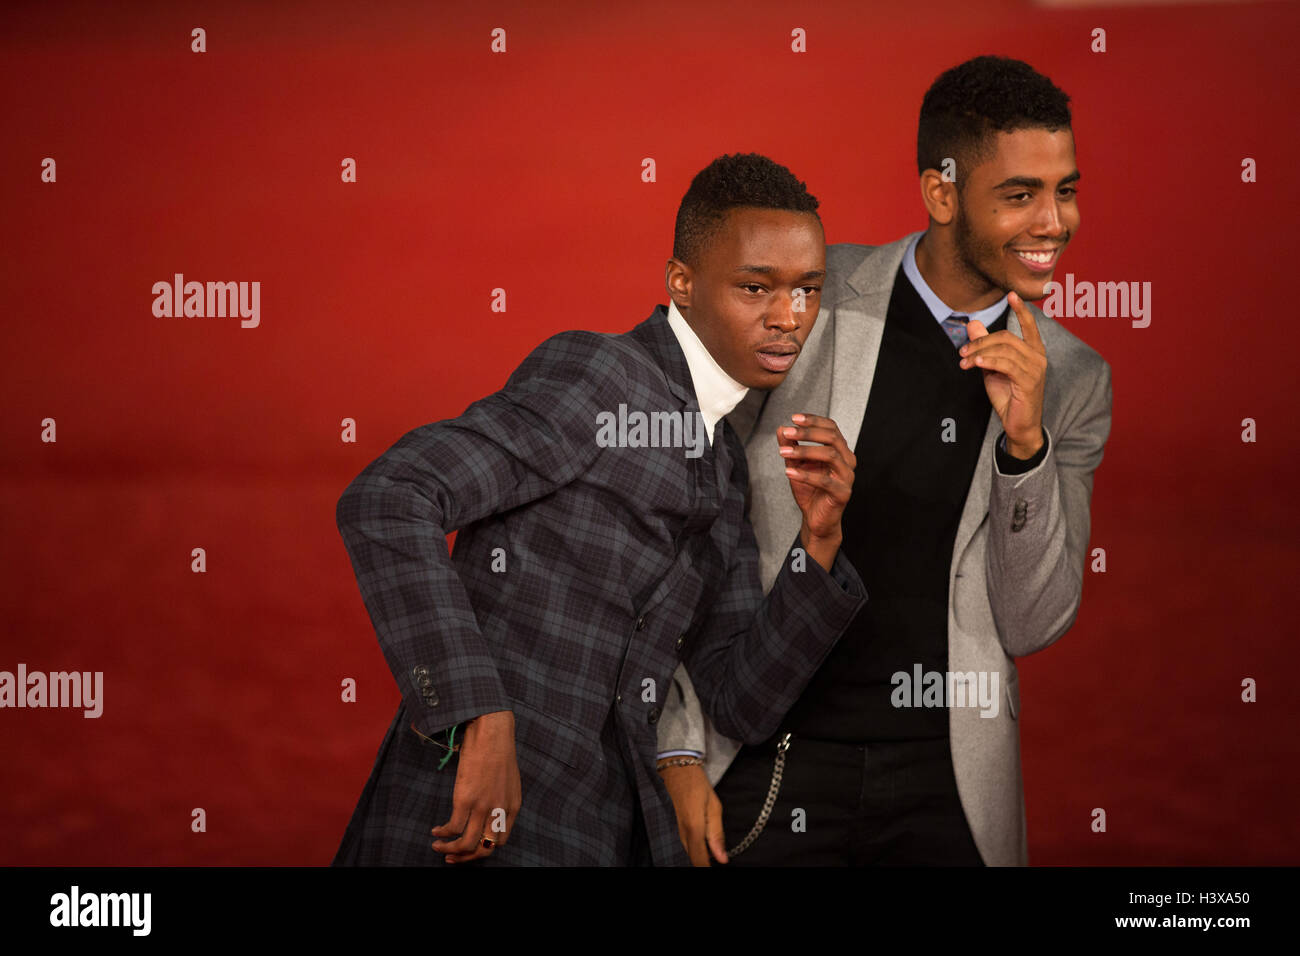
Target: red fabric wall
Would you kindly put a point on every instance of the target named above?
(522, 171)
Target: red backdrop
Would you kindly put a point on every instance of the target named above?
(522, 171)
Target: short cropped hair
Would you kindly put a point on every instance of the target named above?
(747, 179)
(969, 104)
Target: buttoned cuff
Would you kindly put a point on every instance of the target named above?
(467, 689)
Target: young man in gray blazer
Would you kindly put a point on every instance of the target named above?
(978, 423)
(600, 502)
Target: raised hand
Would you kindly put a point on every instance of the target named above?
(821, 480)
(1015, 374)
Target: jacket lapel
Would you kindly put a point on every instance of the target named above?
(655, 336)
(707, 474)
(846, 340)
(977, 501)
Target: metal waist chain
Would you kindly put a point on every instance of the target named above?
(769, 803)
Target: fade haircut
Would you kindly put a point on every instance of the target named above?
(728, 182)
(967, 106)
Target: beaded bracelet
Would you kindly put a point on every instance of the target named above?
(679, 762)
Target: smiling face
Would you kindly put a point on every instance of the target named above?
(1010, 222)
(741, 298)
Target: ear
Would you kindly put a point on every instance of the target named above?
(939, 196)
(678, 279)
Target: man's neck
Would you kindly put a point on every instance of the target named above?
(961, 292)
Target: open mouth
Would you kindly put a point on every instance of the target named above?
(1038, 260)
(778, 358)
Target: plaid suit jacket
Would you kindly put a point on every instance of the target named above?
(581, 577)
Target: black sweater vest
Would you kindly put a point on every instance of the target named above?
(917, 449)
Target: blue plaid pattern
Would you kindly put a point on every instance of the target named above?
(620, 563)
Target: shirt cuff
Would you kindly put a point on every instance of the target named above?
(1009, 465)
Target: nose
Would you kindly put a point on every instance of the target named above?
(1048, 220)
(788, 312)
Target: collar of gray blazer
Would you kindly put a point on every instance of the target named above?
(845, 341)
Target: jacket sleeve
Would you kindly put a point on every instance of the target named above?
(754, 654)
(1039, 523)
(514, 446)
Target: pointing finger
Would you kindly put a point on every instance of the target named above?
(1028, 324)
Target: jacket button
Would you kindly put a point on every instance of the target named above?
(640, 624)
(653, 716)
(618, 698)
(420, 670)
(681, 642)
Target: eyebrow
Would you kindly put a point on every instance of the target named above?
(769, 270)
(1032, 182)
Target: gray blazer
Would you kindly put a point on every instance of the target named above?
(1015, 582)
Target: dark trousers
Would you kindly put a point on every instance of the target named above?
(879, 804)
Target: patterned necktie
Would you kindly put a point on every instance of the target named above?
(955, 326)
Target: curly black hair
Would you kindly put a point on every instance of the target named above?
(741, 179)
(968, 104)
